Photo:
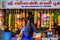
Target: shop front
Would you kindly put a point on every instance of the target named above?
(45, 15)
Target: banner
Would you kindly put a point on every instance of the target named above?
(32, 4)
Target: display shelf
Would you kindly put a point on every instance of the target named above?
(43, 18)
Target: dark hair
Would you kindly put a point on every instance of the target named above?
(29, 28)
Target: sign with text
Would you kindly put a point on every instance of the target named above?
(32, 4)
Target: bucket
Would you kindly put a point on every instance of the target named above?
(8, 35)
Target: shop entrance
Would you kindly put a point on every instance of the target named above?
(15, 18)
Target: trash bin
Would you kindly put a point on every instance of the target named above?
(8, 35)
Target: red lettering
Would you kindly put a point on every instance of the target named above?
(20, 2)
(58, 2)
(50, 2)
(41, 3)
(10, 3)
(54, 3)
(36, 2)
(31, 3)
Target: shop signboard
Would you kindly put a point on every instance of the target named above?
(32, 4)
